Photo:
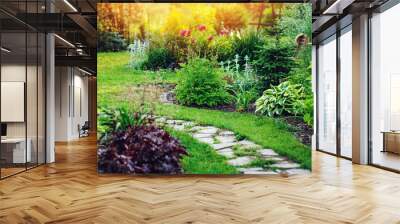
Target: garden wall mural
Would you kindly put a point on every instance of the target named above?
(222, 88)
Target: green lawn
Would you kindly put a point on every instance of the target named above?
(115, 78)
(202, 159)
(114, 69)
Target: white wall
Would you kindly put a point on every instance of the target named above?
(71, 87)
(11, 73)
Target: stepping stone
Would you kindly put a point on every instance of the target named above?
(164, 98)
(179, 122)
(286, 165)
(196, 128)
(206, 140)
(202, 135)
(170, 121)
(226, 152)
(222, 145)
(274, 158)
(298, 172)
(225, 138)
(245, 144)
(226, 133)
(241, 161)
(251, 169)
(208, 130)
(188, 123)
(178, 127)
(161, 119)
(260, 172)
(267, 152)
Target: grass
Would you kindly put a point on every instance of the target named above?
(202, 159)
(117, 81)
(114, 70)
(258, 162)
(238, 151)
(261, 130)
(115, 78)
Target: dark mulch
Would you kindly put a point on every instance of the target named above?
(302, 131)
(228, 108)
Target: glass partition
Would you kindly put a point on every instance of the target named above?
(41, 97)
(327, 95)
(32, 98)
(22, 88)
(14, 153)
(385, 89)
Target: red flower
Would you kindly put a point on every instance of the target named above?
(201, 27)
(210, 38)
(184, 33)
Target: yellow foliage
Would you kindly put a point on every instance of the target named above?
(139, 20)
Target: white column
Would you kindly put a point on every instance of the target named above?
(360, 90)
(50, 94)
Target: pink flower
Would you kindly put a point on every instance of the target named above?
(184, 33)
(201, 27)
(224, 32)
(210, 38)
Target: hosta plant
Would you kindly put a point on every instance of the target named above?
(283, 99)
(141, 149)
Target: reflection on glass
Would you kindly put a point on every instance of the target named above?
(32, 73)
(41, 99)
(346, 93)
(385, 83)
(327, 96)
(14, 153)
(22, 90)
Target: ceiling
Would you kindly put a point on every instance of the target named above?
(331, 15)
(74, 22)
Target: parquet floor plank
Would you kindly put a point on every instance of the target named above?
(71, 191)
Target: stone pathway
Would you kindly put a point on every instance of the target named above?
(247, 156)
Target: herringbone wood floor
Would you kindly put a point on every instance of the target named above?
(70, 191)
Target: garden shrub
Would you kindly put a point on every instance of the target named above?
(177, 45)
(141, 150)
(274, 61)
(301, 75)
(159, 58)
(247, 44)
(308, 116)
(296, 19)
(111, 41)
(283, 99)
(221, 47)
(201, 84)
